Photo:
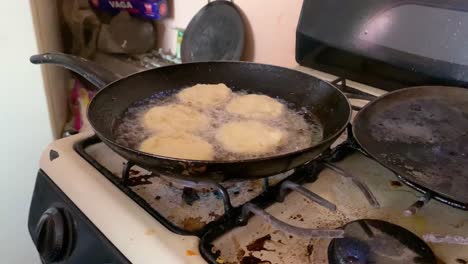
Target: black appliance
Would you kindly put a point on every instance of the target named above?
(388, 44)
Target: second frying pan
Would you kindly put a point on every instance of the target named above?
(421, 133)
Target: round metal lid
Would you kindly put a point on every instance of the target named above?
(215, 33)
(375, 241)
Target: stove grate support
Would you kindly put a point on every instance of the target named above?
(234, 216)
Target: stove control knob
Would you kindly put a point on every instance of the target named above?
(52, 235)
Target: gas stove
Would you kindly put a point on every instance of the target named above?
(99, 210)
(91, 206)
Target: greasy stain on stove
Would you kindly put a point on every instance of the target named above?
(259, 244)
(137, 179)
(53, 155)
(395, 184)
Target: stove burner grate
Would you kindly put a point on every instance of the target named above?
(233, 216)
(124, 185)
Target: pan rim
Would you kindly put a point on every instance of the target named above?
(373, 102)
(220, 162)
(370, 104)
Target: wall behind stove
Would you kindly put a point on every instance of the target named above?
(271, 27)
(24, 130)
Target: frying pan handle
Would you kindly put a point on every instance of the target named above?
(91, 71)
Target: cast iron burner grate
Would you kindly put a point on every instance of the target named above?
(235, 216)
(239, 215)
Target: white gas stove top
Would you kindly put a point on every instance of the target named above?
(141, 238)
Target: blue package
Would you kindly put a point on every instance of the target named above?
(149, 9)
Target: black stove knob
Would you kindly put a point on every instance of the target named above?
(52, 234)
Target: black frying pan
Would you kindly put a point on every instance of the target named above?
(107, 107)
(421, 133)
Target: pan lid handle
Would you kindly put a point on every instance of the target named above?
(91, 71)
